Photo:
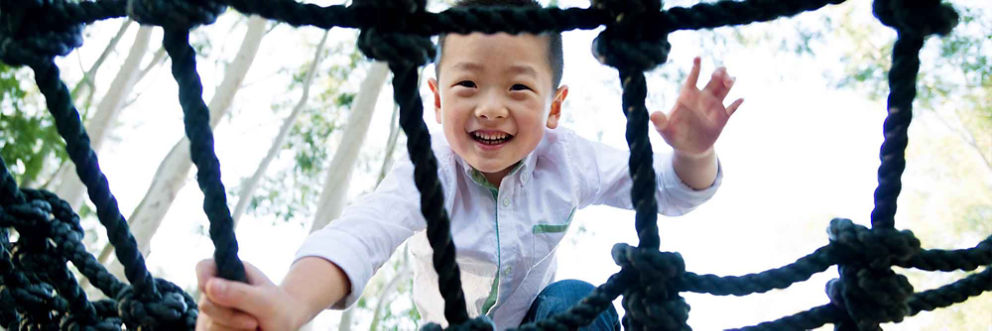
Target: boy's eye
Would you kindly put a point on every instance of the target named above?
(519, 87)
(466, 83)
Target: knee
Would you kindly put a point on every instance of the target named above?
(570, 290)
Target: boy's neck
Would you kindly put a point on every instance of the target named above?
(496, 178)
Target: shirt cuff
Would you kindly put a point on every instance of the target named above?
(338, 248)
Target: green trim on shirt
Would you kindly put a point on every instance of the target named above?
(554, 228)
(480, 179)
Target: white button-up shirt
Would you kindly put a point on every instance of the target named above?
(505, 238)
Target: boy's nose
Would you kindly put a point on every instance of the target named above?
(491, 108)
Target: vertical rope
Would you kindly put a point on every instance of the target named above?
(197, 122)
(70, 127)
(902, 83)
(641, 164)
(431, 193)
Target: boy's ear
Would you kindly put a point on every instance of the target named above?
(556, 103)
(432, 83)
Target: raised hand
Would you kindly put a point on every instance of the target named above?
(698, 117)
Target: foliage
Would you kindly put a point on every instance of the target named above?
(30, 145)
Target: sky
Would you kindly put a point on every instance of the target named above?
(796, 154)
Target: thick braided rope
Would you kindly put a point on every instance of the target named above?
(431, 193)
(913, 20)
(197, 123)
(464, 20)
(404, 54)
(868, 290)
(71, 129)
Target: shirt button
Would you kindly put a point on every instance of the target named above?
(506, 202)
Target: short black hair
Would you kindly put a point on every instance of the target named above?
(555, 57)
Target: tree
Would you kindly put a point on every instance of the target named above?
(25, 120)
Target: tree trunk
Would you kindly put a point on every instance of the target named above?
(86, 85)
(98, 127)
(172, 172)
(244, 195)
(332, 196)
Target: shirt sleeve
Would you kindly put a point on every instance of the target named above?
(369, 230)
(610, 182)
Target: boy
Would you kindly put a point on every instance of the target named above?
(511, 180)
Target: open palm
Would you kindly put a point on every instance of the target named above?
(698, 117)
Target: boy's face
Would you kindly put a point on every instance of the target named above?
(494, 98)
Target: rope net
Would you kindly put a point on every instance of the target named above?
(38, 292)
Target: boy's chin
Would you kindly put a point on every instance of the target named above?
(493, 168)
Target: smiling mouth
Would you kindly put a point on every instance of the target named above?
(491, 138)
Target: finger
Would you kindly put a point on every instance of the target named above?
(733, 106)
(227, 317)
(255, 276)
(659, 120)
(719, 84)
(690, 82)
(248, 298)
(205, 270)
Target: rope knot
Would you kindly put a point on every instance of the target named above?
(72, 322)
(396, 48)
(876, 248)
(625, 44)
(23, 41)
(917, 17)
(175, 14)
(106, 313)
(868, 289)
(33, 213)
(171, 309)
(652, 301)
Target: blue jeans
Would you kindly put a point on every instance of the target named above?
(561, 295)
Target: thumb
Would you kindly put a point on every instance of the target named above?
(249, 298)
(659, 120)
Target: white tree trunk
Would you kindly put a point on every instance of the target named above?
(70, 188)
(332, 196)
(172, 172)
(244, 195)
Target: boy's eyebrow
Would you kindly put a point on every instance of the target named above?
(517, 69)
(469, 66)
(522, 69)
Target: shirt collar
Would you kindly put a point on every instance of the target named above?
(524, 169)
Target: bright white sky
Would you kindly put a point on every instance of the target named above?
(797, 153)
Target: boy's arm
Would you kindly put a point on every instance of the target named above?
(314, 296)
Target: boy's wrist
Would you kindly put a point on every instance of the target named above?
(295, 309)
(711, 152)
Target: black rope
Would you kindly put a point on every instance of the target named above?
(405, 53)
(77, 144)
(197, 122)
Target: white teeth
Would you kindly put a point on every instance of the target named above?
(491, 138)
